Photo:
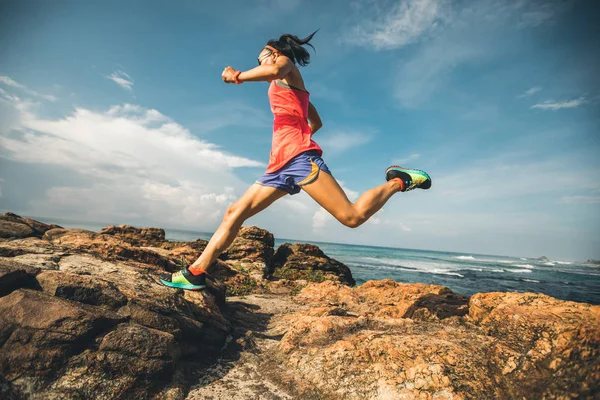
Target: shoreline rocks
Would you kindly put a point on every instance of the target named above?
(82, 315)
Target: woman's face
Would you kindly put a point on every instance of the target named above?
(266, 57)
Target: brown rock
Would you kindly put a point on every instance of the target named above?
(390, 340)
(14, 276)
(252, 249)
(136, 236)
(82, 288)
(307, 261)
(132, 361)
(66, 340)
(554, 343)
(107, 247)
(39, 333)
(14, 226)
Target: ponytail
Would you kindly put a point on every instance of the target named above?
(291, 47)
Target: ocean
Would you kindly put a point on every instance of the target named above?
(463, 273)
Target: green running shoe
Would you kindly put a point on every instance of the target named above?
(184, 279)
(411, 178)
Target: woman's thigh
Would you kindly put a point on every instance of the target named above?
(256, 199)
(329, 194)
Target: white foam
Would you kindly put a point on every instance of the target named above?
(564, 262)
(496, 270)
(524, 265)
(524, 259)
(550, 264)
(445, 272)
(531, 280)
(465, 257)
(521, 271)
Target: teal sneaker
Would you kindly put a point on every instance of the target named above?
(411, 178)
(184, 279)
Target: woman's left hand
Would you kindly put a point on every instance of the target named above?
(228, 75)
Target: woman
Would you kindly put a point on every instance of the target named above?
(295, 161)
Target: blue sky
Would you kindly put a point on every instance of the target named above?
(115, 112)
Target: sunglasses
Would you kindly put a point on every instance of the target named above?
(266, 55)
(270, 52)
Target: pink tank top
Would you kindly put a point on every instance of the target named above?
(291, 132)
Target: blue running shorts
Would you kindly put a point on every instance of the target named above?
(300, 170)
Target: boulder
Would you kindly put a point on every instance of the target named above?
(14, 226)
(308, 262)
(252, 250)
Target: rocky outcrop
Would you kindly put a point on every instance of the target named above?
(83, 316)
(13, 226)
(252, 249)
(308, 262)
(136, 236)
(390, 340)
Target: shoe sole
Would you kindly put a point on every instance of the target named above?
(402, 170)
(184, 286)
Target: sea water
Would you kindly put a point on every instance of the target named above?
(461, 272)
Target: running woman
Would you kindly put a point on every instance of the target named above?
(295, 161)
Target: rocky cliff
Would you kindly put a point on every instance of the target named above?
(82, 315)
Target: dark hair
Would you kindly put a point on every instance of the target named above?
(291, 47)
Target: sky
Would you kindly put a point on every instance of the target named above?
(116, 112)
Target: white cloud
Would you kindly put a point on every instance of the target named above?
(339, 142)
(451, 34)
(554, 105)
(10, 82)
(401, 161)
(122, 79)
(394, 25)
(530, 92)
(135, 162)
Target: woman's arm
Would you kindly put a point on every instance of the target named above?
(269, 72)
(315, 122)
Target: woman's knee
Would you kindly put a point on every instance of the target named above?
(351, 219)
(234, 214)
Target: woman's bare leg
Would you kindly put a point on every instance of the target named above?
(328, 193)
(256, 199)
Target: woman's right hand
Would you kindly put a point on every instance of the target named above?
(228, 75)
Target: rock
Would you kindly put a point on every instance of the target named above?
(99, 325)
(307, 261)
(14, 275)
(14, 226)
(390, 340)
(39, 333)
(543, 259)
(82, 288)
(107, 247)
(136, 236)
(555, 342)
(251, 250)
